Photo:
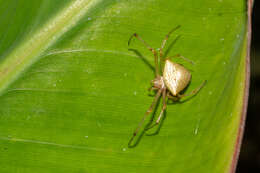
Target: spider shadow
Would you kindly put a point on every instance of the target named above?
(164, 55)
(145, 128)
(143, 59)
(171, 46)
(159, 126)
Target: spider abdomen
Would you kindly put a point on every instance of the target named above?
(175, 77)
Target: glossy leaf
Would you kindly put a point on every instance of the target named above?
(72, 92)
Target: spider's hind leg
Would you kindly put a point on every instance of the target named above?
(193, 92)
(173, 98)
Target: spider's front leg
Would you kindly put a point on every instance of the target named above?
(151, 49)
(162, 111)
(148, 112)
(152, 88)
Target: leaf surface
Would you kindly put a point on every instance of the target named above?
(71, 92)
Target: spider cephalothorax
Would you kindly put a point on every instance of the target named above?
(158, 83)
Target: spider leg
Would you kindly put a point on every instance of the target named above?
(164, 43)
(152, 89)
(182, 57)
(193, 92)
(162, 111)
(150, 48)
(174, 98)
(158, 94)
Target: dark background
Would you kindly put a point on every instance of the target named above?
(249, 160)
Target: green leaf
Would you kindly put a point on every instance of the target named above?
(71, 92)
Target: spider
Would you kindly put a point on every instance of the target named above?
(169, 82)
